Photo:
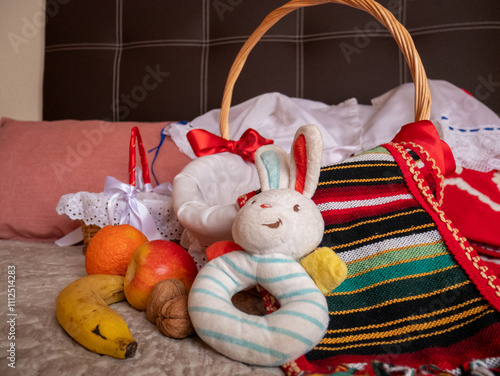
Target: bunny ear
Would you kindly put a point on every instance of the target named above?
(307, 151)
(272, 167)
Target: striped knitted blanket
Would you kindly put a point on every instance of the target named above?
(416, 292)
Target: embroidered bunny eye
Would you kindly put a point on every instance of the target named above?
(296, 208)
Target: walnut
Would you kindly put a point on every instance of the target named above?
(174, 320)
(167, 308)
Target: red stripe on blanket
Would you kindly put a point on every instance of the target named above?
(361, 192)
(482, 345)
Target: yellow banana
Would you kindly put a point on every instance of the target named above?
(82, 310)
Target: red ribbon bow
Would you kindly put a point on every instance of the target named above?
(206, 143)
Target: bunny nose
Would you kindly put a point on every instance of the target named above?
(264, 206)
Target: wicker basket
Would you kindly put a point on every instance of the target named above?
(384, 16)
(88, 232)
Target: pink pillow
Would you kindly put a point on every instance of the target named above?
(40, 161)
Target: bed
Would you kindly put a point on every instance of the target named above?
(113, 65)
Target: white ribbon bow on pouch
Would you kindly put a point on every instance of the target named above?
(135, 210)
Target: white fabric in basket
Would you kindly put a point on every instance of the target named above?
(207, 207)
(470, 128)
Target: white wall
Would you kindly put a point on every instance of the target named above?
(21, 58)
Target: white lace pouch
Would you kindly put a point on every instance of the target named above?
(136, 203)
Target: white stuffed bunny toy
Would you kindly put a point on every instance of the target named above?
(275, 228)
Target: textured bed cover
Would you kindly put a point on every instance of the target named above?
(42, 347)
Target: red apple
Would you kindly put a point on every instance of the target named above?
(153, 262)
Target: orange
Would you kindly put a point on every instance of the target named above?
(109, 250)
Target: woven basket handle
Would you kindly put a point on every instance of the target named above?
(132, 161)
(422, 93)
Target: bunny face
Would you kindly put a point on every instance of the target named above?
(279, 221)
(283, 218)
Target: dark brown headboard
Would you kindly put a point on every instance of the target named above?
(160, 60)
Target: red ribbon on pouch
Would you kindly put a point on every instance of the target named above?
(206, 143)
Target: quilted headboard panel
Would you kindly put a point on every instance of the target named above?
(159, 60)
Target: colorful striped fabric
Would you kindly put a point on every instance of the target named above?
(415, 293)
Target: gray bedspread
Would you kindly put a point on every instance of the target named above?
(32, 340)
